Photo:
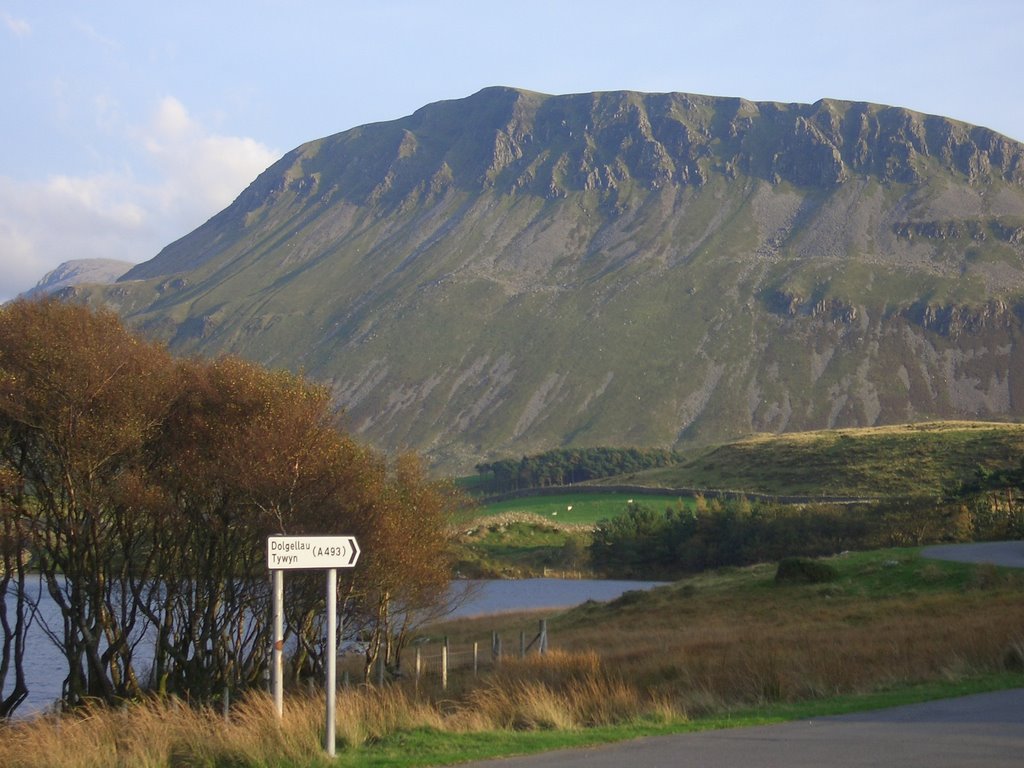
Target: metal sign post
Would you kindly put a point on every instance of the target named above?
(332, 657)
(278, 654)
(310, 553)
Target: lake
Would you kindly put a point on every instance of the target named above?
(501, 596)
(45, 668)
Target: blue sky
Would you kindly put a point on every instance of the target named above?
(127, 124)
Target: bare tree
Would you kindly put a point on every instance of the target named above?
(15, 607)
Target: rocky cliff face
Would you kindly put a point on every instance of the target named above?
(513, 271)
(508, 141)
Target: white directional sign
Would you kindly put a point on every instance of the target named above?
(311, 552)
(324, 553)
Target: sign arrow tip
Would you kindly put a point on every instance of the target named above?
(355, 551)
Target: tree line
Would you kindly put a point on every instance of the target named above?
(137, 491)
(715, 533)
(565, 466)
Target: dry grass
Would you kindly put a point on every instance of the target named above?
(807, 643)
(736, 639)
(557, 691)
(368, 714)
(561, 690)
(160, 733)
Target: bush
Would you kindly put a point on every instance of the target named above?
(802, 570)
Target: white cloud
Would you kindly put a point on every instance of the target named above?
(45, 224)
(201, 172)
(170, 125)
(17, 27)
(116, 215)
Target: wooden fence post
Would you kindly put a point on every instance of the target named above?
(444, 665)
(543, 647)
(476, 658)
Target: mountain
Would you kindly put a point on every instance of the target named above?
(79, 272)
(513, 271)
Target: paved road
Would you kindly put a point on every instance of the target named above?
(973, 731)
(981, 731)
(1008, 553)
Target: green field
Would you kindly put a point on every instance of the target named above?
(540, 535)
(585, 507)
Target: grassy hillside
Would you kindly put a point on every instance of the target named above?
(905, 460)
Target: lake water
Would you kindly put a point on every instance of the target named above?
(498, 596)
(45, 667)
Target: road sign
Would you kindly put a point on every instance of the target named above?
(326, 553)
(311, 552)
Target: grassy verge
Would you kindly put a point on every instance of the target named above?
(429, 747)
(162, 734)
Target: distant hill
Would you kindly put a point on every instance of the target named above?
(924, 460)
(79, 272)
(512, 272)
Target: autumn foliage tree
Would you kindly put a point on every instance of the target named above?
(80, 400)
(144, 488)
(409, 562)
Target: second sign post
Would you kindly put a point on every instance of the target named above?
(310, 553)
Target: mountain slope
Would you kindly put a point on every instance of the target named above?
(514, 271)
(78, 272)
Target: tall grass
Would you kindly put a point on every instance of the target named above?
(560, 690)
(167, 732)
(557, 691)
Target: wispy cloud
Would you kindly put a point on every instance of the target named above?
(17, 27)
(115, 214)
(94, 35)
